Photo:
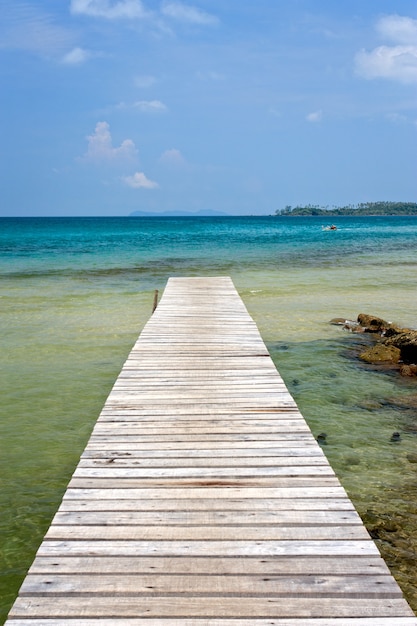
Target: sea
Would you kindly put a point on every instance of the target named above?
(76, 292)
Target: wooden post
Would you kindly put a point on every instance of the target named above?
(155, 300)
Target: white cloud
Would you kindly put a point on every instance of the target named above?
(76, 56)
(139, 181)
(109, 9)
(100, 146)
(398, 62)
(398, 28)
(186, 13)
(315, 116)
(172, 157)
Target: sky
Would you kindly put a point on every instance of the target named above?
(240, 106)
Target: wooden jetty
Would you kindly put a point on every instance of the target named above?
(202, 498)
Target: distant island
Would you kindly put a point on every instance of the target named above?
(202, 213)
(365, 208)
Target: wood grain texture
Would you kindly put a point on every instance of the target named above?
(172, 621)
(202, 498)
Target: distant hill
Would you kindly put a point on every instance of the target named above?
(202, 213)
(365, 208)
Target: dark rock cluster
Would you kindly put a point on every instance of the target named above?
(394, 346)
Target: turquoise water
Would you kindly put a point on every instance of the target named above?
(75, 293)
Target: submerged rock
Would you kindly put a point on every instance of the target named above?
(322, 438)
(408, 370)
(370, 405)
(381, 354)
(378, 524)
(404, 402)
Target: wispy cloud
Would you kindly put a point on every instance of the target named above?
(150, 106)
(101, 149)
(109, 9)
(393, 62)
(25, 27)
(139, 181)
(144, 106)
(315, 116)
(185, 13)
(397, 118)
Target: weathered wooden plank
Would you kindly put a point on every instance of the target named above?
(207, 533)
(213, 387)
(203, 472)
(305, 483)
(211, 490)
(210, 517)
(129, 428)
(239, 404)
(124, 443)
(265, 565)
(127, 413)
(200, 606)
(342, 548)
(195, 457)
(205, 504)
(103, 459)
(210, 411)
(219, 392)
(320, 585)
(196, 368)
(207, 377)
(238, 377)
(268, 397)
(172, 621)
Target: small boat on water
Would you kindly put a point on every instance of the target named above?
(331, 227)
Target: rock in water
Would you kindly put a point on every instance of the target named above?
(372, 324)
(381, 353)
(406, 342)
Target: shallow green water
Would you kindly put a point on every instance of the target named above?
(76, 293)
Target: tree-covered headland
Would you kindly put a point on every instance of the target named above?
(365, 208)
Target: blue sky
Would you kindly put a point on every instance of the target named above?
(114, 106)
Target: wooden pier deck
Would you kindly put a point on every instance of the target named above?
(202, 498)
